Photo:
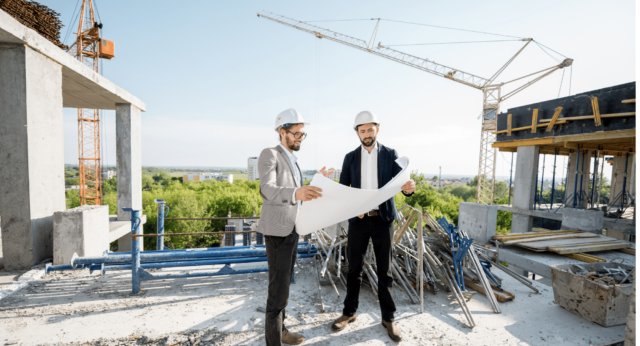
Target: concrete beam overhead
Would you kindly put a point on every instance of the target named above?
(81, 86)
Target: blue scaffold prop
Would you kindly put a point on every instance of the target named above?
(486, 267)
(459, 247)
(139, 261)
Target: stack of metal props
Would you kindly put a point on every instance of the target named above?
(428, 255)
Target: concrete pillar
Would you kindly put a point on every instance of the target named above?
(617, 179)
(128, 164)
(31, 154)
(524, 189)
(584, 171)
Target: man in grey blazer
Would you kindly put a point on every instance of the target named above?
(282, 192)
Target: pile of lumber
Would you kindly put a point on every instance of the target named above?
(562, 242)
(35, 16)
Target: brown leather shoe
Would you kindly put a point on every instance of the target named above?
(290, 338)
(392, 330)
(342, 321)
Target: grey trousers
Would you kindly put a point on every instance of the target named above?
(281, 256)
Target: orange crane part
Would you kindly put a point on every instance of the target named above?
(89, 48)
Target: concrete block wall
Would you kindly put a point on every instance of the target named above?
(83, 230)
(584, 220)
(630, 339)
(478, 221)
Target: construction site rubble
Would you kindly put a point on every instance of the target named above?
(33, 15)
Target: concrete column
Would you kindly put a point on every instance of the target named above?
(524, 189)
(584, 171)
(128, 164)
(617, 179)
(31, 154)
(478, 221)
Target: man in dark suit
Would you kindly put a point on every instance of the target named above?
(371, 166)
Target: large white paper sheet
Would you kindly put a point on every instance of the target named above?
(339, 202)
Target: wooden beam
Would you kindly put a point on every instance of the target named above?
(599, 147)
(509, 125)
(523, 142)
(629, 101)
(554, 119)
(534, 121)
(587, 117)
(525, 128)
(596, 111)
(584, 137)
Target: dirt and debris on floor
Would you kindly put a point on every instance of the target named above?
(76, 308)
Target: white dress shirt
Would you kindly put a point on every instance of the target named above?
(369, 169)
(296, 172)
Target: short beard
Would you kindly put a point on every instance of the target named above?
(368, 142)
(292, 145)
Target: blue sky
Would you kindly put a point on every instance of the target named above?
(214, 75)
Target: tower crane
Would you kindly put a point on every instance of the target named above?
(89, 48)
(492, 90)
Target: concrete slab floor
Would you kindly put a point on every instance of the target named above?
(75, 308)
(8, 277)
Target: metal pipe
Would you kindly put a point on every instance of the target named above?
(136, 244)
(553, 179)
(180, 255)
(544, 158)
(575, 181)
(594, 180)
(624, 182)
(176, 264)
(581, 177)
(535, 198)
(160, 221)
(510, 175)
(223, 271)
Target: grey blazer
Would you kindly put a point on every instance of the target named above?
(277, 182)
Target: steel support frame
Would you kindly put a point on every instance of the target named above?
(487, 161)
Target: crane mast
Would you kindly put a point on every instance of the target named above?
(89, 48)
(492, 92)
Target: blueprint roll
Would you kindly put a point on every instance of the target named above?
(339, 202)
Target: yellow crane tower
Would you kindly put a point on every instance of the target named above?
(89, 48)
(492, 91)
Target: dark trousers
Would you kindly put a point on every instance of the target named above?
(381, 235)
(281, 256)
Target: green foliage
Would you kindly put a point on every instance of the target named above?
(73, 198)
(71, 181)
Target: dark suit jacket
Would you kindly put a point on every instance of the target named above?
(387, 169)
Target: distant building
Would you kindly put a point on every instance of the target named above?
(208, 176)
(252, 169)
(335, 175)
(108, 174)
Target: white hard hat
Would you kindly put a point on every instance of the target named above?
(289, 117)
(365, 117)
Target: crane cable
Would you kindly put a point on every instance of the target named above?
(73, 20)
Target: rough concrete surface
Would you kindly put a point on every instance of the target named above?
(77, 308)
(83, 231)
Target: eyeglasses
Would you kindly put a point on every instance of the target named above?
(298, 135)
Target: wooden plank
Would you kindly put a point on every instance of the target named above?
(596, 111)
(544, 244)
(592, 116)
(534, 121)
(524, 128)
(630, 251)
(554, 119)
(550, 237)
(509, 125)
(585, 257)
(629, 101)
(510, 236)
(524, 142)
(589, 248)
(500, 296)
(595, 136)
